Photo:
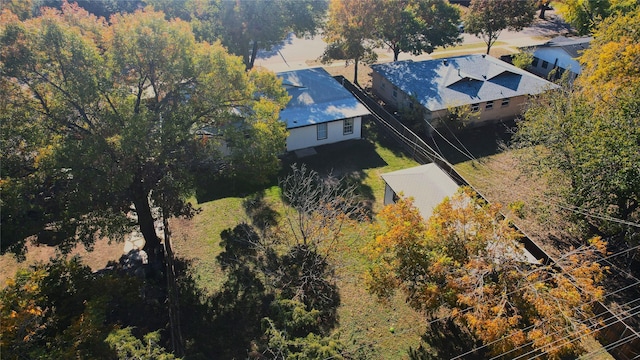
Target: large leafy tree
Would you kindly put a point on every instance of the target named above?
(585, 15)
(586, 139)
(417, 26)
(61, 310)
(245, 27)
(487, 18)
(98, 118)
(102, 8)
(465, 262)
(349, 32)
(609, 65)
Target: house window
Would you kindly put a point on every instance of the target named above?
(489, 105)
(534, 63)
(395, 92)
(322, 131)
(475, 107)
(505, 102)
(545, 64)
(347, 127)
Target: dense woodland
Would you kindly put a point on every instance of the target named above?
(100, 106)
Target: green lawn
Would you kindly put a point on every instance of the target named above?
(364, 323)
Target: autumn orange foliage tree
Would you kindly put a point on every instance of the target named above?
(466, 262)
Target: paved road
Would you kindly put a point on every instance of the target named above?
(296, 53)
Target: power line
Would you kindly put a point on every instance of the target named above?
(596, 327)
(575, 209)
(544, 321)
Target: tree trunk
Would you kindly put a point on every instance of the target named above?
(355, 71)
(177, 341)
(152, 245)
(543, 8)
(396, 53)
(254, 53)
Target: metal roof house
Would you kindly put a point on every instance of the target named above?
(492, 88)
(321, 111)
(559, 53)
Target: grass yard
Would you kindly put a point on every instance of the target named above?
(385, 331)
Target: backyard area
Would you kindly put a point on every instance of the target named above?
(387, 330)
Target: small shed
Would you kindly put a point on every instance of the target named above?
(427, 184)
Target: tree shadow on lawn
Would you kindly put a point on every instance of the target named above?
(346, 159)
(210, 187)
(373, 132)
(444, 339)
(471, 143)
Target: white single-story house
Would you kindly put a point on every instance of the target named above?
(559, 53)
(321, 111)
(492, 88)
(428, 185)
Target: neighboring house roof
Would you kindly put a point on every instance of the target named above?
(562, 51)
(462, 80)
(572, 46)
(316, 97)
(427, 184)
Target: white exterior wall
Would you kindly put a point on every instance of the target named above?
(553, 57)
(307, 136)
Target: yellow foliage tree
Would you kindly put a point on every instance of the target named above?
(466, 261)
(611, 62)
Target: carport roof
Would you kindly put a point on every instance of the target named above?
(427, 184)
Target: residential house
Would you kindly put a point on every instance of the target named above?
(321, 111)
(559, 54)
(493, 89)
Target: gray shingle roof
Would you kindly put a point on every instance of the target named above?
(316, 97)
(572, 46)
(443, 83)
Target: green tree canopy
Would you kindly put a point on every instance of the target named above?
(586, 15)
(589, 152)
(487, 18)
(104, 116)
(349, 31)
(585, 139)
(61, 310)
(417, 26)
(244, 27)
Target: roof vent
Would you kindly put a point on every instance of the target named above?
(484, 55)
(445, 61)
